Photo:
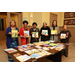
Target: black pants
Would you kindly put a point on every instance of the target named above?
(65, 52)
(34, 40)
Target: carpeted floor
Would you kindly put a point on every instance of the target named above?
(70, 58)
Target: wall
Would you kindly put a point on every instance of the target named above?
(14, 17)
(41, 17)
(37, 17)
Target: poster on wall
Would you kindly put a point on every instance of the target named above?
(69, 22)
(25, 18)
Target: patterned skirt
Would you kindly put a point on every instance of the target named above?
(13, 44)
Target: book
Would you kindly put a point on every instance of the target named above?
(32, 51)
(26, 46)
(46, 42)
(45, 48)
(38, 47)
(53, 31)
(38, 44)
(10, 50)
(43, 53)
(45, 45)
(23, 58)
(35, 55)
(45, 32)
(52, 44)
(16, 54)
(14, 33)
(35, 34)
(26, 33)
(63, 36)
(21, 49)
(29, 52)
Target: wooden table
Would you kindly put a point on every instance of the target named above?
(56, 56)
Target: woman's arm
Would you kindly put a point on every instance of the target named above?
(8, 33)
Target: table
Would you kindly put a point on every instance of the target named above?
(56, 56)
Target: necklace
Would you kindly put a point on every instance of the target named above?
(13, 28)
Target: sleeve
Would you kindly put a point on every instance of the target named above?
(58, 31)
(21, 32)
(49, 31)
(18, 31)
(69, 35)
(7, 31)
(40, 32)
(30, 32)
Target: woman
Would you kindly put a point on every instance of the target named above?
(11, 41)
(55, 35)
(24, 33)
(34, 36)
(66, 33)
(45, 32)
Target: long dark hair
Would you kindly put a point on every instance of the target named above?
(14, 22)
(53, 22)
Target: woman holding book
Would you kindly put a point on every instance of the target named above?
(34, 32)
(54, 31)
(45, 32)
(64, 38)
(24, 33)
(12, 36)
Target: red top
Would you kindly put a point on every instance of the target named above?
(24, 41)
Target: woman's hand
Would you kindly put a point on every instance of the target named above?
(10, 33)
(36, 37)
(56, 33)
(31, 33)
(46, 34)
(66, 36)
(42, 33)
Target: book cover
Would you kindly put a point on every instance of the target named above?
(35, 55)
(35, 34)
(63, 36)
(26, 33)
(10, 50)
(16, 54)
(45, 32)
(53, 31)
(23, 58)
(14, 33)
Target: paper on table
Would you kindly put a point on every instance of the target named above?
(23, 58)
(10, 50)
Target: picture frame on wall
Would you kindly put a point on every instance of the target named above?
(66, 14)
(69, 14)
(69, 22)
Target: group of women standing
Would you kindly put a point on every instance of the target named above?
(12, 42)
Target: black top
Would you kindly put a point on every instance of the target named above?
(34, 39)
(67, 39)
(43, 37)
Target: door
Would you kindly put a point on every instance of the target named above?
(2, 28)
(17, 16)
(52, 17)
